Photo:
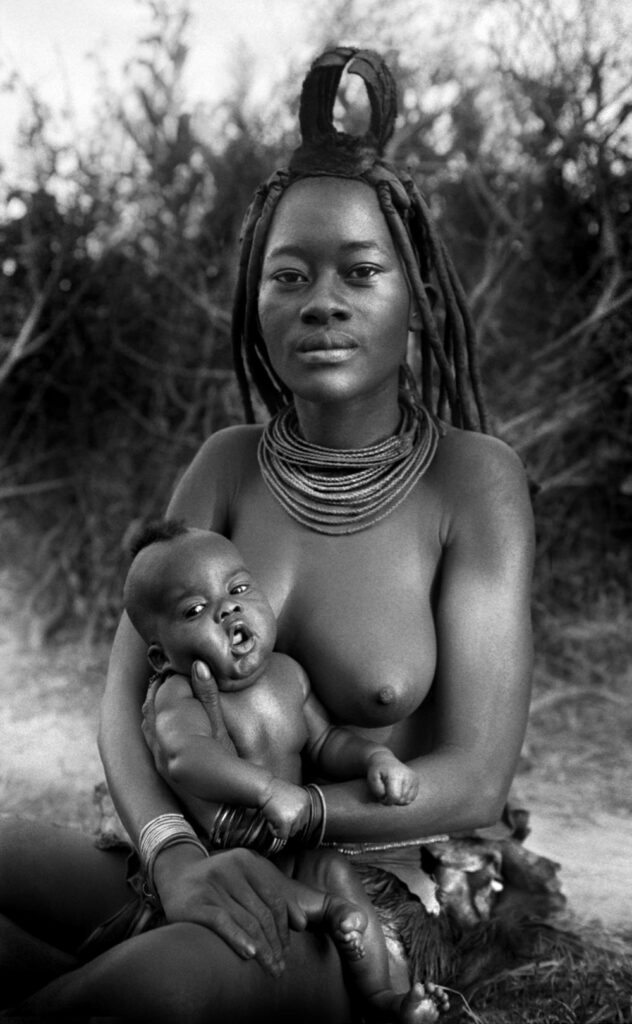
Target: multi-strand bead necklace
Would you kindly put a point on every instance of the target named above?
(338, 491)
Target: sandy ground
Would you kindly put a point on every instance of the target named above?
(49, 764)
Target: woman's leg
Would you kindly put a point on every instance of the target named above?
(55, 888)
(184, 974)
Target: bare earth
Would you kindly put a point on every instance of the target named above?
(580, 802)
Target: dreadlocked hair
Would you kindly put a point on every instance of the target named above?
(450, 379)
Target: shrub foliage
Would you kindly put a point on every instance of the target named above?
(118, 261)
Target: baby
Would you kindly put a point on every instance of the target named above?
(191, 598)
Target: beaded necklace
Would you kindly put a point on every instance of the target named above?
(339, 491)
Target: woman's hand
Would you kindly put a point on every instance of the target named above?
(237, 894)
(205, 689)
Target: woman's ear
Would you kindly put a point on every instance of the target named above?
(157, 657)
(414, 319)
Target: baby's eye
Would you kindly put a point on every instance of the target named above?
(239, 588)
(194, 610)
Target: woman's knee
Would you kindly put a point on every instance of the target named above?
(184, 974)
(54, 882)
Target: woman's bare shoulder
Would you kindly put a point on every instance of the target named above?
(464, 454)
(208, 487)
(480, 476)
(230, 441)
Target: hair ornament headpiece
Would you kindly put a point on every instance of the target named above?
(325, 150)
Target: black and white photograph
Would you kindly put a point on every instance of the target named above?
(316, 511)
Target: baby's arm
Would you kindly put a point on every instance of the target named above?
(197, 764)
(340, 753)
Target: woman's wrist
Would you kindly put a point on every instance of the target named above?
(171, 863)
(161, 834)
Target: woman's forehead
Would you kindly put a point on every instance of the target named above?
(336, 208)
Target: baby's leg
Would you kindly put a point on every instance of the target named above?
(324, 906)
(345, 905)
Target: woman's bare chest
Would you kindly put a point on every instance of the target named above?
(355, 611)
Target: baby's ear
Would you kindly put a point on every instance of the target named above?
(157, 657)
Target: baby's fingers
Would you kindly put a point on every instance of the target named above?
(412, 788)
(376, 783)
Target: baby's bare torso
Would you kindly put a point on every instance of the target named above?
(266, 722)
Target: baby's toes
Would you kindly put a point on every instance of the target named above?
(353, 921)
(439, 995)
(350, 944)
(420, 1006)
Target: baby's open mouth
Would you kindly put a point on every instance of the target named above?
(241, 639)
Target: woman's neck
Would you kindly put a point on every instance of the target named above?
(348, 424)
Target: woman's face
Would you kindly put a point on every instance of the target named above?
(334, 303)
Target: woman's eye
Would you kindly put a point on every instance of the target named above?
(289, 277)
(194, 610)
(364, 272)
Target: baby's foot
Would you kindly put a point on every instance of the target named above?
(423, 1004)
(347, 923)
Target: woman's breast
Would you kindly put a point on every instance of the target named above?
(356, 613)
(370, 659)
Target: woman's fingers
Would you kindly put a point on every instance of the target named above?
(241, 897)
(243, 934)
(205, 689)
(274, 898)
(149, 715)
(148, 726)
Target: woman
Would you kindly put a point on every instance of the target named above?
(396, 555)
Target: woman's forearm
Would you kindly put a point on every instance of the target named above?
(452, 797)
(138, 792)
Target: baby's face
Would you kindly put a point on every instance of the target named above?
(211, 609)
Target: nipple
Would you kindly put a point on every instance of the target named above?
(386, 695)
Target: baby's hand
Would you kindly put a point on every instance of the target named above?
(286, 808)
(391, 781)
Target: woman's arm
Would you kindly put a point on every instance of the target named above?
(238, 895)
(123, 750)
(201, 500)
(339, 753)
(482, 685)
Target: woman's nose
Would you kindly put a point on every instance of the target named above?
(323, 304)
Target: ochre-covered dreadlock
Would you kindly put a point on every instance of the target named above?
(450, 381)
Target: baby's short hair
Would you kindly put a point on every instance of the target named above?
(154, 530)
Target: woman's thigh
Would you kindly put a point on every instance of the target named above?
(55, 884)
(184, 973)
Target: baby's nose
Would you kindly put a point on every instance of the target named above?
(228, 608)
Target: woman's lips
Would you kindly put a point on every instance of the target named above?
(325, 338)
(326, 347)
(327, 355)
